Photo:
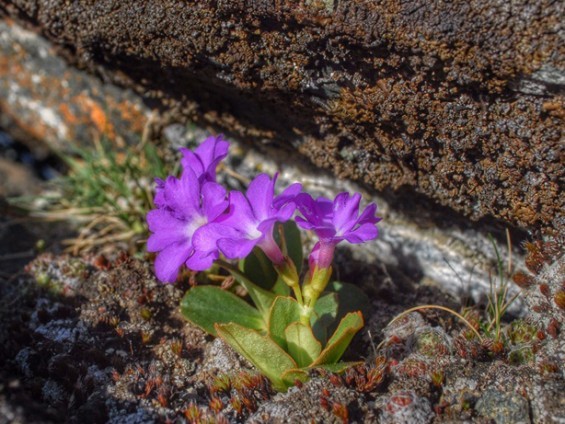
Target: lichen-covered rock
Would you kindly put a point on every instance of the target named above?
(89, 338)
(462, 102)
(503, 408)
(404, 407)
(44, 100)
(543, 288)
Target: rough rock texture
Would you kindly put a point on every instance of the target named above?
(460, 101)
(44, 99)
(95, 340)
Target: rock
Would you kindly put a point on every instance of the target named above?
(16, 179)
(462, 103)
(306, 405)
(110, 372)
(406, 407)
(543, 291)
(503, 408)
(47, 101)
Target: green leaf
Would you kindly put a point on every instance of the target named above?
(324, 316)
(350, 298)
(341, 338)
(339, 367)
(260, 350)
(259, 269)
(207, 305)
(262, 298)
(280, 288)
(290, 376)
(284, 311)
(302, 345)
(337, 301)
(293, 243)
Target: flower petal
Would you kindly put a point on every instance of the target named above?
(285, 212)
(165, 228)
(260, 195)
(169, 261)
(302, 223)
(308, 208)
(346, 210)
(266, 226)
(214, 200)
(287, 195)
(160, 219)
(191, 161)
(211, 151)
(200, 261)
(240, 215)
(205, 158)
(183, 195)
(206, 238)
(368, 215)
(327, 233)
(362, 234)
(321, 255)
(236, 248)
(159, 198)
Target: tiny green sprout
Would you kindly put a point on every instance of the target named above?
(176, 346)
(40, 245)
(236, 404)
(221, 384)
(193, 413)
(521, 332)
(521, 355)
(437, 378)
(145, 337)
(43, 279)
(146, 314)
(431, 343)
(216, 404)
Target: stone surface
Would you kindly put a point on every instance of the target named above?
(461, 102)
(503, 408)
(16, 179)
(44, 100)
(91, 340)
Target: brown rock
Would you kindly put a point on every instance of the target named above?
(16, 179)
(460, 101)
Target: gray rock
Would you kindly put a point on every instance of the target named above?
(503, 408)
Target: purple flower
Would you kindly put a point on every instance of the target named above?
(335, 221)
(251, 219)
(185, 208)
(159, 199)
(205, 158)
(203, 162)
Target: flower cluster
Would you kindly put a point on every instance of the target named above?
(196, 219)
(197, 222)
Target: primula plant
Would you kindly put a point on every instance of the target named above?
(289, 327)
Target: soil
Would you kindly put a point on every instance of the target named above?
(98, 339)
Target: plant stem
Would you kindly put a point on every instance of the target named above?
(261, 297)
(298, 294)
(305, 314)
